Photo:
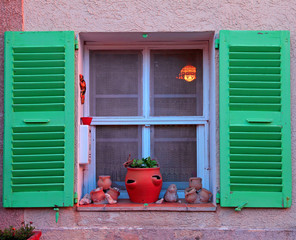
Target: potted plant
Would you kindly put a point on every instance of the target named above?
(143, 180)
(25, 232)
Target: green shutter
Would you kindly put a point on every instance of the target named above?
(38, 140)
(255, 130)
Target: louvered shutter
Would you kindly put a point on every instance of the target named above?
(255, 131)
(38, 119)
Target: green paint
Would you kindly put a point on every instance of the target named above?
(57, 210)
(255, 129)
(39, 119)
(240, 207)
(145, 35)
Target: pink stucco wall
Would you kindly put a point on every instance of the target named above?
(11, 19)
(157, 16)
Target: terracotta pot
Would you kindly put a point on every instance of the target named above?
(35, 236)
(205, 195)
(195, 182)
(143, 184)
(190, 195)
(97, 195)
(104, 182)
(114, 193)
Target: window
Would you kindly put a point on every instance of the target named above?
(140, 107)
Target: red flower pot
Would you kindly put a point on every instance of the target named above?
(86, 120)
(35, 236)
(143, 184)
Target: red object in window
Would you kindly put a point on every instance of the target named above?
(35, 236)
(143, 184)
(188, 73)
(86, 120)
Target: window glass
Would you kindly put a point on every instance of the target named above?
(174, 147)
(116, 83)
(171, 96)
(113, 146)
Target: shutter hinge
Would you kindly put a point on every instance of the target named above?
(76, 44)
(217, 43)
(240, 207)
(57, 213)
(75, 197)
(218, 197)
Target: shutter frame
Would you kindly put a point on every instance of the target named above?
(237, 116)
(33, 67)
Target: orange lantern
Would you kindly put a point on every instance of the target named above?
(188, 73)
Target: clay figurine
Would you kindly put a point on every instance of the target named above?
(190, 195)
(114, 193)
(104, 182)
(85, 200)
(204, 195)
(110, 199)
(171, 194)
(195, 182)
(98, 196)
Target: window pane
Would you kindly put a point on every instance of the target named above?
(174, 147)
(113, 145)
(171, 96)
(116, 83)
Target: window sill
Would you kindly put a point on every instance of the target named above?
(127, 206)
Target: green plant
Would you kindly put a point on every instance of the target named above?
(144, 163)
(22, 233)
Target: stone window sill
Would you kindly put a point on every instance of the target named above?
(127, 206)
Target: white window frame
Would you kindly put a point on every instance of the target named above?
(202, 134)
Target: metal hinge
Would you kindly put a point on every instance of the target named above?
(75, 197)
(217, 43)
(240, 207)
(56, 209)
(218, 197)
(76, 44)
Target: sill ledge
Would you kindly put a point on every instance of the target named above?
(128, 206)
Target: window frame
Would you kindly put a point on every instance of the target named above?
(202, 122)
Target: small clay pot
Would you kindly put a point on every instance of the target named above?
(114, 193)
(190, 195)
(205, 195)
(195, 182)
(97, 195)
(104, 182)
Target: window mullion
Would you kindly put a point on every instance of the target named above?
(146, 82)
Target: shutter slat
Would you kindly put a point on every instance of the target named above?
(255, 157)
(39, 120)
(255, 147)
(37, 172)
(38, 56)
(256, 180)
(254, 63)
(38, 64)
(255, 165)
(38, 180)
(37, 165)
(38, 187)
(39, 78)
(256, 172)
(38, 143)
(254, 55)
(38, 85)
(255, 77)
(256, 187)
(38, 157)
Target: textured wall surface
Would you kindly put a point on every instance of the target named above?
(155, 16)
(11, 18)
